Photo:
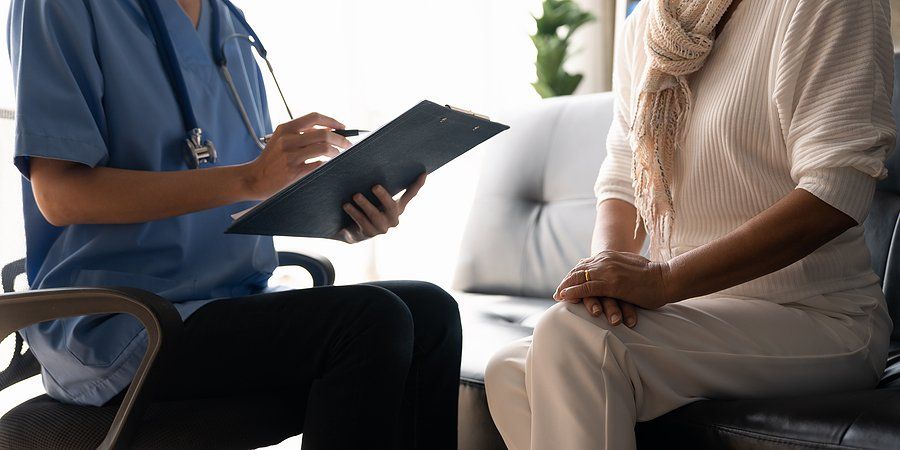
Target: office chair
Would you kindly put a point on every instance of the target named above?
(138, 421)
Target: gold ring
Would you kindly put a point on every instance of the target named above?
(587, 276)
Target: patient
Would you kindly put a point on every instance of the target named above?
(750, 165)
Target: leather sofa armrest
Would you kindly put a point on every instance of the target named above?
(158, 316)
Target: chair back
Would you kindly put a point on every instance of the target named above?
(23, 364)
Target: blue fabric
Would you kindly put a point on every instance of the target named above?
(91, 89)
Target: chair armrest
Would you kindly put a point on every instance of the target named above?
(158, 316)
(319, 267)
(10, 272)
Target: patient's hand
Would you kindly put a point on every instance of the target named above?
(616, 312)
(371, 221)
(610, 276)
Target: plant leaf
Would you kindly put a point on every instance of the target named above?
(543, 90)
(560, 19)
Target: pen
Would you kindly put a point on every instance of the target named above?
(349, 133)
(344, 133)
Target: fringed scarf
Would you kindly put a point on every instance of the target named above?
(680, 35)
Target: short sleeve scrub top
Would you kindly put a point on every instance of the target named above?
(91, 89)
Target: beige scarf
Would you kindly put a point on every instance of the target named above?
(680, 35)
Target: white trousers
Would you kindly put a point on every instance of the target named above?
(580, 383)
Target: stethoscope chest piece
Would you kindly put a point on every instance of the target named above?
(199, 150)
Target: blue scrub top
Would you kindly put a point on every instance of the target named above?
(91, 89)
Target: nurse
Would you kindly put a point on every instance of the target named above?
(109, 200)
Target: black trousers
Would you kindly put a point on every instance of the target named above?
(368, 366)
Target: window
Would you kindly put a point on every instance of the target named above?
(365, 62)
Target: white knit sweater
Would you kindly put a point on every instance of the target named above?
(795, 94)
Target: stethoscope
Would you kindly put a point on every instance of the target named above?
(200, 150)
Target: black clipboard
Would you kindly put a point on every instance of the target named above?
(420, 140)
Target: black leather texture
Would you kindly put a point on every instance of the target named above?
(421, 140)
(883, 240)
(506, 246)
(865, 419)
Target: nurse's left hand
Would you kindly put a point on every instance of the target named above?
(370, 220)
(626, 277)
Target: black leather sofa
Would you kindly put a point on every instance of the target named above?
(532, 220)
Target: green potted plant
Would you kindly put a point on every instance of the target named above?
(560, 20)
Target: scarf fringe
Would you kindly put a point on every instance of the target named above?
(679, 39)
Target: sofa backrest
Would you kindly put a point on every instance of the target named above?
(882, 232)
(534, 211)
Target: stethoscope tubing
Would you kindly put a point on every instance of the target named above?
(229, 80)
(240, 105)
(222, 62)
(172, 66)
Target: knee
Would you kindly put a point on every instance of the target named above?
(437, 309)
(423, 296)
(386, 307)
(435, 312)
(506, 368)
(565, 325)
(436, 318)
(383, 317)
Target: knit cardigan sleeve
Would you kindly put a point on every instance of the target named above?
(832, 91)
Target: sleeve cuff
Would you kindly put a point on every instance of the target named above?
(607, 191)
(845, 188)
(30, 145)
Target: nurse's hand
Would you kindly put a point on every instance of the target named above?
(627, 277)
(287, 156)
(370, 220)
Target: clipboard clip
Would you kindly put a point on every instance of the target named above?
(471, 113)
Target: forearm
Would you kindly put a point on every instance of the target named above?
(614, 228)
(101, 195)
(783, 234)
(70, 193)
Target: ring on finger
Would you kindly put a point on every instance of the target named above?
(587, 276)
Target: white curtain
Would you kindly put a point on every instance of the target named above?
(594, 44)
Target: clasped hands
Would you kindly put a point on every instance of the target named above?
(616, 284)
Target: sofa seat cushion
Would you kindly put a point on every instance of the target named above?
(865, 419)
(489, 323)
